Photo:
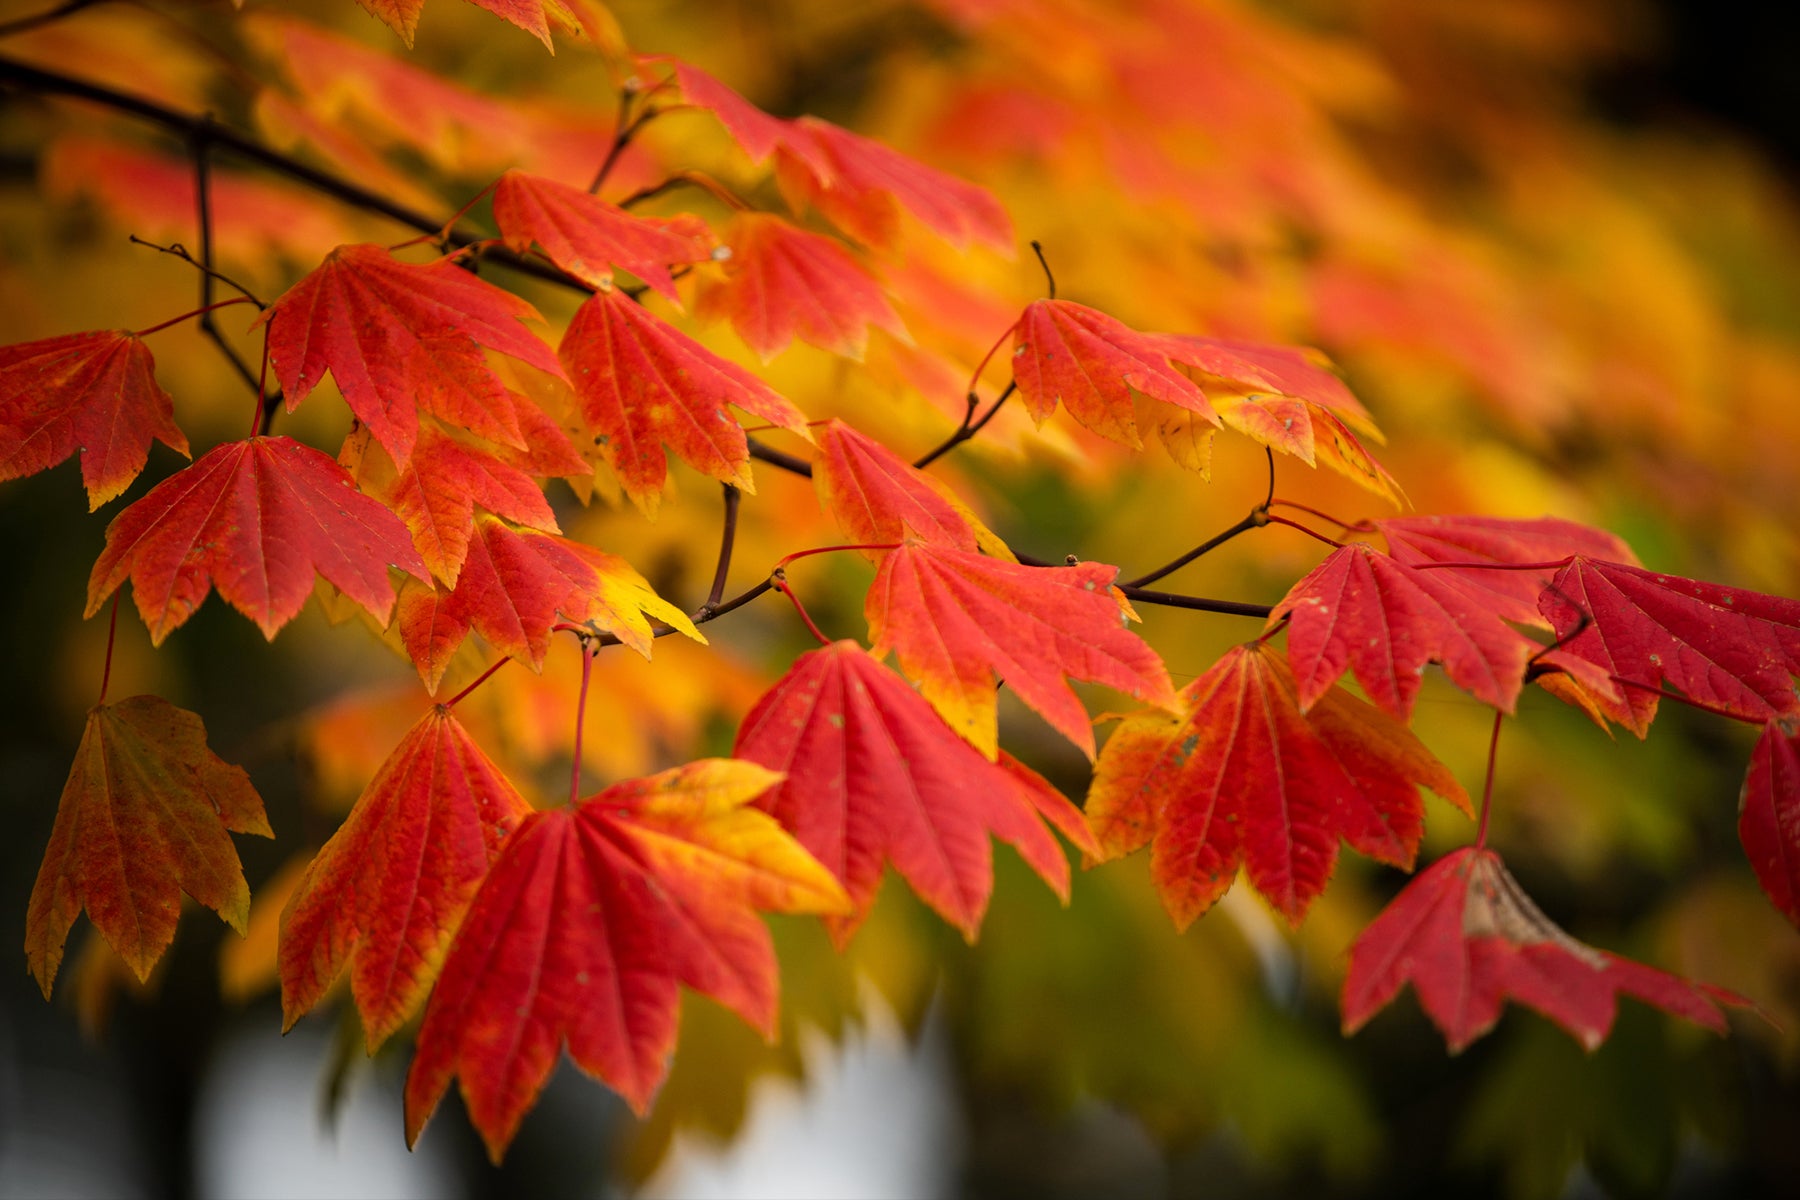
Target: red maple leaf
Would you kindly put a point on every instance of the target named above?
(1501, 541)
(587, 925)
(514, 585)
(863, 186)
(1255, 368)
(1091, 364)
(1360, 610)
(92, 393)
(857, 182)
(955, 620)
(533, 16)
(386, 893)
(145, 816)
(387, 330)
(783, 282)
(1733, 650)
(643, 383)
(1239, 775)
(588, 237)
(1769, 816)
(1468, 939)
(874, 776)
(878, 497)
(256, 519)
(437, 494)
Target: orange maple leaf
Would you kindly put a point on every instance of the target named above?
(147, 814)
(1240, 776)
(783, 282)
(386, 893)
(643, 383)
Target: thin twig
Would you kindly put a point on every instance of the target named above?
(1256, 518)
(727, 537)
(967, 429)
(200, 141)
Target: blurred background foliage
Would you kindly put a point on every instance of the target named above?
(1524, 229)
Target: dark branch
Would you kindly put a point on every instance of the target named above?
(968, 429)
(22, 24)
(1256, 518)
(34, 79)
(778, 458)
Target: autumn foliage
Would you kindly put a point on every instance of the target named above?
(474, 369)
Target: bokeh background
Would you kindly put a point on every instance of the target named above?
(1554, 246)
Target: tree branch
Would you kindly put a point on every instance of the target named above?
(52, 83)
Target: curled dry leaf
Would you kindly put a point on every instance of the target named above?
(1469, 939)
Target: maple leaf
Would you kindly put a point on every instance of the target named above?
(587, 237)
(385, 894)
(1769, 816)
(438, 492)
(147, 814)
(873, 775)
(783, 282)
(533, 16)
(878, 497)
(1468, 939)
(1360, 610)
(860, 184)
(1240, 775)
(642, 383)
(863, 186)
(1221, 365)
(1733, 650)
(256, 519)
(1501, 541)
(956, 619)
(514, 585)
(388, 330)
(586, 926)
(94, 393)
(1091, 364)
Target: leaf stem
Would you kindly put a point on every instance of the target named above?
(1037, 248)
(778, 581)
(800, 554)
(112, 629)
(1312, 533)
(480, 679)
(1493, 566)
(1702, 705)
(1235, 608)
(727, 538)
(587, 671)
(1274, 502)
(1487, 787)
(188, 316)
